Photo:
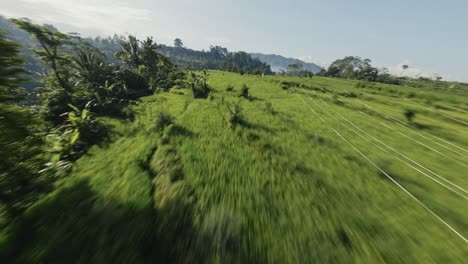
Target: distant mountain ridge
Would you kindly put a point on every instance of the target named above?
(278, 62)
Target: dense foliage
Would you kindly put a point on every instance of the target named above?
(20, 181)
(80, 83)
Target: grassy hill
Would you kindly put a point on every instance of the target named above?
(304, 171)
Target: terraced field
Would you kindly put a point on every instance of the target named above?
(304, 171)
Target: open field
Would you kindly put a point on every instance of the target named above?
(322, 171)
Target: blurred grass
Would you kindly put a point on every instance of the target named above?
(279, 187)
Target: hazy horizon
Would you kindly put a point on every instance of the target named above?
(426, 36)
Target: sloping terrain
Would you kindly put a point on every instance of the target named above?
(304, 171)
(278, 62)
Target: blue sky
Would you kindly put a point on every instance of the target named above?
(431, 36)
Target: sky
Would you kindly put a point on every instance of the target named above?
(431, 36)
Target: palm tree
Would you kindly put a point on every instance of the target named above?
(404, 67)
(89, 62)
(130, 52)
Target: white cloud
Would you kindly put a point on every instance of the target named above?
(87, 16)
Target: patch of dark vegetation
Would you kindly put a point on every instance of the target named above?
(255, 98)
(317, 138)
(177, 130)
(163, 120)
(252, 136)
(347, 94)
(229, 88)
(422, 126)
(245, 92)
(343, 237)
(409, 115)
(235, 117)
(250, 125)
(80, 131)
(286, 85)
(302, 168)
(199, 85)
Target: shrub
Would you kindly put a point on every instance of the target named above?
(244, 92)
(284, 86)
(68, 142)
(409, 114)
(199, 84)
(230, 88)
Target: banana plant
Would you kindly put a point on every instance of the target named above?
(69, 140)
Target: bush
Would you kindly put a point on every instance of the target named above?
(199, 84)
(409, 114)
(244, 92)
(229, 88)
(68, 142)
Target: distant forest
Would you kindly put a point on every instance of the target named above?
(216, 58)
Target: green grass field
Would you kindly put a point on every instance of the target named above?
(320, 172)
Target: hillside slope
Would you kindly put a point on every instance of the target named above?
(278, 62)
(277, 179)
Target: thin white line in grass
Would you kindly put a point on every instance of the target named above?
(389, 177)
(417, 141)
(381, 142)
